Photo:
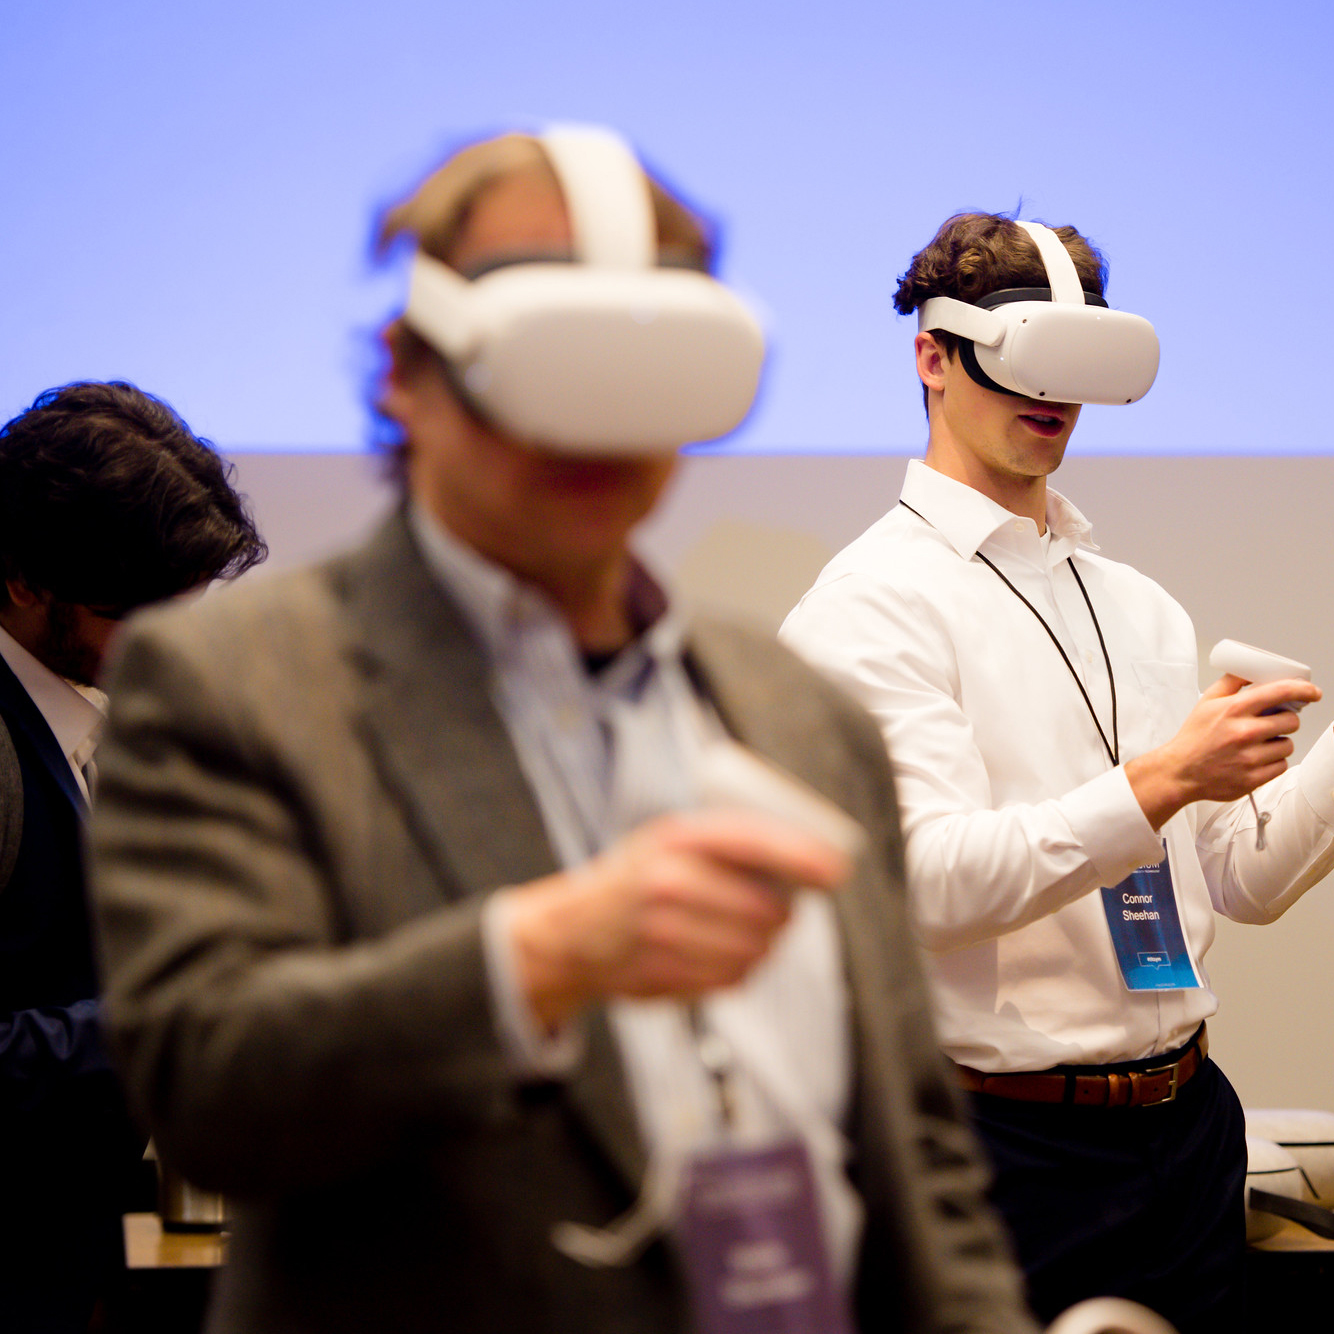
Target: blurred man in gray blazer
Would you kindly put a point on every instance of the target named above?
(420, 943)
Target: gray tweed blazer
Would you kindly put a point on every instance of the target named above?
(305, 794)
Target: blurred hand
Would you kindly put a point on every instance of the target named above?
(1229, 745)
(684, 904)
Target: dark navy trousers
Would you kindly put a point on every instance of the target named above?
(1138, 1202)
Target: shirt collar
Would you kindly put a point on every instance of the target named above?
(499, 605)
(74, 717)
(967, 519)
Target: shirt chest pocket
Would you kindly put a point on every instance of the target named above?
(1170, 691)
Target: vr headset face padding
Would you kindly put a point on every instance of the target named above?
(1059, 343)
(605, 355)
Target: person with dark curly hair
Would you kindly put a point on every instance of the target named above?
(107, 502)
(1067, 794)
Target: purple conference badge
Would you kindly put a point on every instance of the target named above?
(754, 1252)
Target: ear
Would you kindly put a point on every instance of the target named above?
(931, 361)
(405, 383)
(21, 595)
(416, 394)
(393, 395)
(25, 615)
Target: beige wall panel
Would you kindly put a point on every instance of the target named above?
(1242, 543)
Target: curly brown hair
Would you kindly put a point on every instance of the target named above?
(975, 254)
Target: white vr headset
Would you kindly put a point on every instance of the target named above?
(606, 355)
(1058, 342)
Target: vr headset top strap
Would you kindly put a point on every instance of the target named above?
(606, 194)
(1062, 276)
(611, 213)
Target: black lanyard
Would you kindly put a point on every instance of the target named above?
(1113, 747)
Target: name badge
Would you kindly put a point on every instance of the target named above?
(754, 1253)
(1146, 931)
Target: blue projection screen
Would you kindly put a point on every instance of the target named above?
(189, 188)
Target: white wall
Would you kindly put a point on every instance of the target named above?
(1241, 542)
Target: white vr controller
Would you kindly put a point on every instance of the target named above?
(1066, 348)
(1257, 665)
(609, 354)
(728, 774)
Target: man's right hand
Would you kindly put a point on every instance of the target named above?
(1229, 745)
(683, 905)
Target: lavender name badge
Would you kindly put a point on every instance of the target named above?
(754, 1251)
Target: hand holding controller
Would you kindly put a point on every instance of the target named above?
(1258, 666)
(1219, 753)
(685, 902)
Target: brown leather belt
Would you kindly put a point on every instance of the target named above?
(1091, 1087)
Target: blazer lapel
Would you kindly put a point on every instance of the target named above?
(24, 716)
(428, 716)
(599, 1092)
(443, 748)
(753, 700)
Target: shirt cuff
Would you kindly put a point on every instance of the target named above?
(1315, 776)
(532, 1052)
(1111, 827)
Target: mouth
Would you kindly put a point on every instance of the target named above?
(591, 477)
(586, 471)
(1043, 421)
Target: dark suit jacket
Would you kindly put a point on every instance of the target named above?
(69, 1148)
(305, 795)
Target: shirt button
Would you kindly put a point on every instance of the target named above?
(1018, 525)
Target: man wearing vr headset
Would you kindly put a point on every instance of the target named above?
(405, 956)
(1057, 770)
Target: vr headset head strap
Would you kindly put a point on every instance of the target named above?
(1062, 276)
(958, 317)
(978, 324)
(440, 306)
(606, 194)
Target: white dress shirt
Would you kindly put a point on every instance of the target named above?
(602, 753)
(1012, 809)
(75, 716)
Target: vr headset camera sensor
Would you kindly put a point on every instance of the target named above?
(1059, 342)
(607, 355)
